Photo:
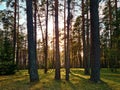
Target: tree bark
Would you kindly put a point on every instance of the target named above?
(87, 71)
(65, 31)
(95, 41)
(83, 39)
(110, 23)
(17, 37)
(14, 37)
(53, 62)
(35, 27)
(31, 44)
(68, 42)
(46, 38)
(57, 53)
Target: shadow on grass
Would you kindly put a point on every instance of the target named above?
(89, 85)
(11, 77)
(47, 82)
(78, 81)
(15, 83)
(72, 85)
(112, 77)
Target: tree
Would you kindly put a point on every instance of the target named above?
(76, 43)
(17, 34)
(68, 46)
(87, 71)
(53, 13)
(43, 36)
(46, 37)
(95, 43)
(7, 65)
(109, 36)
(35, 26)
(83, 37)
(65, 30)
(106, 36)
(57, 53)
(115, 38)
(14, 38)
(16, 42)
(31, 44)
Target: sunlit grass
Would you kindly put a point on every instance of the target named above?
(112, 79)
(78, 81)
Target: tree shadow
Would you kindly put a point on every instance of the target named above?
(72, 85)
(112, 77)
(86, 81)
(47, 82)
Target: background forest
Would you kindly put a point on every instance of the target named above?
(60, 35)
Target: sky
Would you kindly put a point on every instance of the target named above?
(2, 5)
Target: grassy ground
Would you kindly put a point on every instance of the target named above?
(78, 81)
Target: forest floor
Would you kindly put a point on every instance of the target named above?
(78, 81)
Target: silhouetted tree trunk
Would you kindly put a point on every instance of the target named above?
(35, 24)
(14, 37)
(31, 44)
(111, 31)
(110, 21)
(65, 30)
(57, 53)
(79, 49)
(35, 27)
(17, 36)
(87, 71)
(83, 38)
(116, 8)
(53, 62)
(117, 26)
(68, 42)
(43, 37)
(95, 42)
(46, 38)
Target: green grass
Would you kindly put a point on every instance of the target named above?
(78, 81)
(112, 79)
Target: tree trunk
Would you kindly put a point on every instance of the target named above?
(65, 31)
(95, 41)
(68, 46)
(41, 27)
(31, 44)
(43, 38)
(17, 37)
(111, 31)
(110, 23)
(117, 26)
(116, 8)
(35, 26)
(46, 38)
(79, 49)
(87, 71)
(83, 39)
(14, 37)
(53, 62)
(57, 53)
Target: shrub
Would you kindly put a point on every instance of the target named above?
(7, 68)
